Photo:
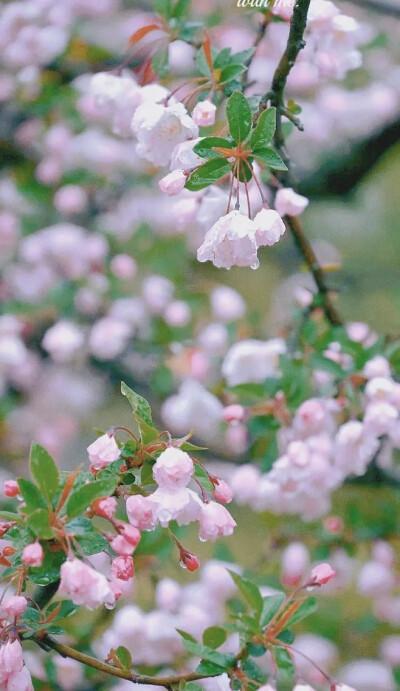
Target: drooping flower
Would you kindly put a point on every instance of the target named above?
(173, 469)
(269, 227)
(103, 451)
(85, 586)
(32, 554)
(215, 521)
(231, 241)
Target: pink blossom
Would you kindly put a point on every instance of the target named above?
(14, 605)
(230, 242)
(140, 512)
(63, 340)
(103, 451)
(11, 661)
(321, 574)
(233, 413)
(121, 546)
(177, 313)
(227, 304)
(204, 113)
(123, 266)
(11, 488)
(269, 227)
(179, 504)
(252, 361)
(70, 199)
(173, 469)
(288, 203)
(375, 579)
(222, 491)
(173, 183)
(20, 681)
(295, 562)
(160, 128)
(33, 554)
(85, 586)
(215, 521)
(184, 158)
(123, 568)
(105, 507)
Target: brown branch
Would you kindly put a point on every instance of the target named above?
(315, 269)
(169, 682)
(276, 97)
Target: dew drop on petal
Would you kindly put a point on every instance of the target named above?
(255, 265)
(182, 564)
(202, 539)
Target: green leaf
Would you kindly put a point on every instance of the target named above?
(222, 660)
(10, 516)
(202, 476)
(271, 604)
(93, 543)
(249, 591)
(30, 494)
(269, 156)
(231, 72)
(190, 686)
(124, 657)
(327, 365)
(264, 130)
(142, 413)
(239, 116)
(44, 471)
(81, 499)
(207, 174)
(244, 55)
(306, 608)
(284, 664)
(202, 63)
(187, 636)
(139, 405)
(214, 636)
(205, 146)
(209, 669)
(181, 8)
(39, 522)
(188, 446)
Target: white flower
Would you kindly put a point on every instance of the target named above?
(227, 304)
(252, 361)
(355, 447)
(160, 128)
(270, 227)
(204, 113)
(215, 521)
(181, 505)
(288, 203)
(230, 242)
(173, 469)
(184, 157)
(173, 183)
(62, 341)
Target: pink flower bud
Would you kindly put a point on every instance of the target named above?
(11, 488)
(123, 266)
(204, 113)
(70, 199)
(333, 524)
(131, 534)
(33, 554)
(103, 451)
(123, 568)
(11, 660)
(233, 413)
(223, 492)
(173, 183)
(322, 574)
(121, 546)
(189, 561)
(105, 507)
(14, 605)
